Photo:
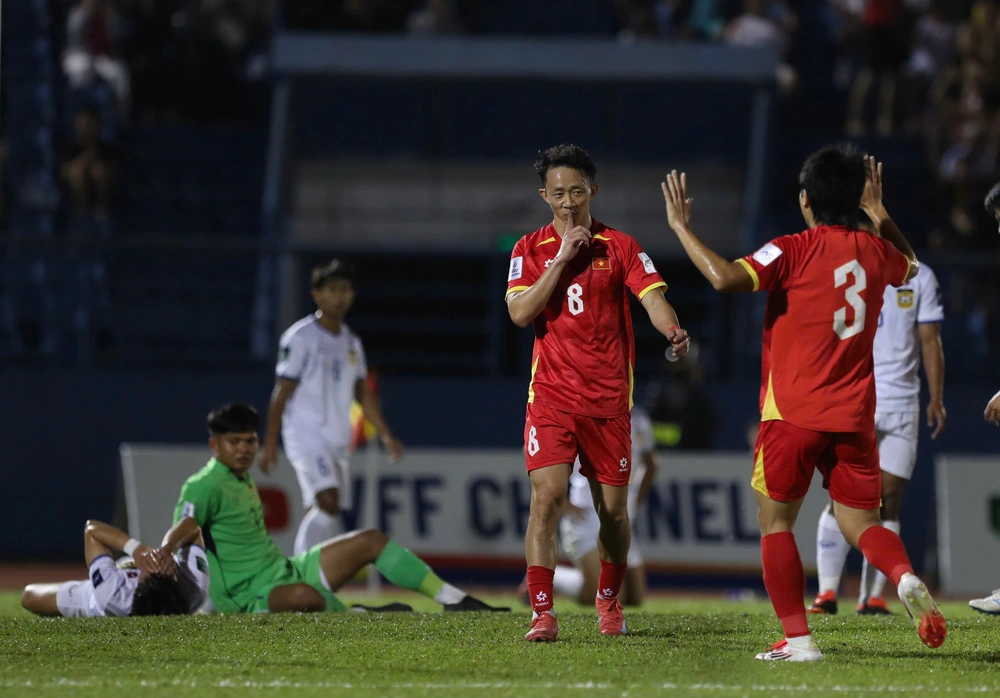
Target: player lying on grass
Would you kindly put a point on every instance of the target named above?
(825, 290)
(249, 572)
(580, 525)
(991, 604)
(571, 281)
(171, 580)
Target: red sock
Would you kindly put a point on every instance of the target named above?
(885, 552)
(609, 583)
(540, 588)
(785, 580)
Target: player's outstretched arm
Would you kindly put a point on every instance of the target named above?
(283, 389)
(186, 532)
(373, 411)
(933, 356)
(664, 319)
(525, 306)
(871, 204)
(731, 277)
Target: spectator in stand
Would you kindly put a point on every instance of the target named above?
(764, 22)
(93, 30)
(886, 52)
(435, 17)
(88, 168)
(682, 412)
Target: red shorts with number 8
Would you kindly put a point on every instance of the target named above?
(604, 444)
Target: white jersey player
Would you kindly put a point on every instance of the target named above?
(321, 371)
(580, 525)
(171, 580)
(909, 328)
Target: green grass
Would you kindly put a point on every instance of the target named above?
(677, 648)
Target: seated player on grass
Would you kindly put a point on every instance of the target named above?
(249, 572)
(171, 580)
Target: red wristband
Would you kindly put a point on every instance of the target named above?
(673, 327)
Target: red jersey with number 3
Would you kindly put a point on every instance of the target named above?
(584, 350)
(825, 290)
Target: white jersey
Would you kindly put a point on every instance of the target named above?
(897, 342)
(642, 443)
(327, 367)
(110, 590)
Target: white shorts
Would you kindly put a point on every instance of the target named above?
(319, 467)
(75, 599)
(579, 537)
(897, 434)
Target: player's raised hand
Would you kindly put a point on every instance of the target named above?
(992, 413)
(268, 459)
(676, 198)
(679, 340)
(871, 199)
(394, 447)
(574, 237)
(936, 417)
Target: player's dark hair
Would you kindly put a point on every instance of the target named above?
(834, 180)
(233, 419)
(159, 595)
(565, 155)
(992, 200)
(335, 269)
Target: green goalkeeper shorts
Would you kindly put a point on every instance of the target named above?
(301, 569)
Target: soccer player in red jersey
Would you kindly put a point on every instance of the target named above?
(571, 281)
(825, 289)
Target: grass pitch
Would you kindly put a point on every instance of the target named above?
(677, 648)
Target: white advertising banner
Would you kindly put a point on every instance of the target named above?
(968, 514)
(469, 507)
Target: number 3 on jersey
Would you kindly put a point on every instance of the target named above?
(854, 299)
(574, 294)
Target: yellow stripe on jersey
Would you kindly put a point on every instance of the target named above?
(658, 284)
(546, 242)
(531, 383)
(753, 274)
(769, 412)
(601, 237)
(515, 289)
(631, 384)
(758, 481)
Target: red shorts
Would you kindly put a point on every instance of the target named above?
(785, 456)
(604, 444)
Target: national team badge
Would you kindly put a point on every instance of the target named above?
(601, 264)
(352, 357)
(904, 298)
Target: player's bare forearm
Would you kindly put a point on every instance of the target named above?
(730, 277)
(371, 408)
(648, 477)
(525, 306)
(661, 313)
(888, 230)
(283, 390)
(185, 533)
(106, 534)
(933, 356)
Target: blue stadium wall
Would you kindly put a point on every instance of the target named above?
(63, 431)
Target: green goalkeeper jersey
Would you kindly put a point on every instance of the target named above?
(231, 516)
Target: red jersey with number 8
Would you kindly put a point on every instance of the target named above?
(825, 290)
(584, 349)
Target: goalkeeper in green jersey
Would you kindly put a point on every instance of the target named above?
(248, 572)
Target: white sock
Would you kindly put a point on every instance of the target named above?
(551, 612)
(449, 594)
(316, 527)
(831, 552)
(803, 642)
(567, 581)
(871, 577)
